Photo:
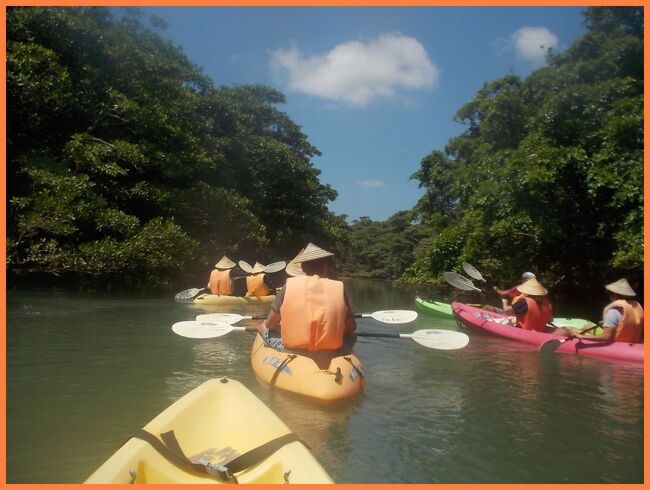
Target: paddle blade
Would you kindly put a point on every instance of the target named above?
(228, 318)
(472, 272)
(198, 330)
(393, 316)
(275, 267)
(245, 266)
(188, 294)
(551, 345)
(439, 339)
(460, 282)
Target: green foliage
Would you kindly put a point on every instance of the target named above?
(548, 175)
(127, 166)
(381, 250)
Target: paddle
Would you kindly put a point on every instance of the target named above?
(460, 282)
(431, 338)
(269, 269)
(245, 266)
(189, 294)
(386, 316)
(552, 345)
(472, 272)
(275, 267)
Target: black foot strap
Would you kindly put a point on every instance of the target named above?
(171, 450)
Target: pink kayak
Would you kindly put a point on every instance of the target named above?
(498, 324)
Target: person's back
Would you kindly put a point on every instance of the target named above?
(256, 282)
(220, 281)
(622, 318)
(531, 308)
(623, 314)
(312, 312)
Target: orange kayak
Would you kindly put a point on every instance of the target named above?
(322, 375)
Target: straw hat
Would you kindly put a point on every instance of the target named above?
(532, 287)
(527, 275)
(245, 266)
(621, 287)
(294, 269)
(258, 268)
(225, 263)
(311, 252)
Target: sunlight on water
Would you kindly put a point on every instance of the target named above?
(84, 372)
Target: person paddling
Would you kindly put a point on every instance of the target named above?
(513, 292)
(312, 312)
(531, 307)
(256, 284)
(622, 317)
(220, 281)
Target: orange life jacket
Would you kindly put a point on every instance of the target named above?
(630, 328)
(537, 315)
(313, 313)
(220, 282)
(256, 285)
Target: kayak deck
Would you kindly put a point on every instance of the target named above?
(444, 310)
(498, 324)
(324, 375)
(217, 299)
(217, 422)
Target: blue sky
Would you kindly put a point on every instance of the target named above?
(374, 89)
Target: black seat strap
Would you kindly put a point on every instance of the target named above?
(278, 370)
(359, 372)
(171, 450)
(173, 454)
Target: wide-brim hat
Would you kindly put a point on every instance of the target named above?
(294, 269)
(621, 287)
(532, 287)
(258, 268)
(311, 252)
(225, 263)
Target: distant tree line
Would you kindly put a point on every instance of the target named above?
(126, 165)
(547, 176)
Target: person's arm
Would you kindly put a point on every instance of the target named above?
(350, 322)
(518, 308)
(610, 321)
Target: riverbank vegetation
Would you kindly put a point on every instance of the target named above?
(127, 165)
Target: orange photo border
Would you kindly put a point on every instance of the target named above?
(302, 3)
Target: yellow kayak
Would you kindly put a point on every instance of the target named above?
(322, 375)
(220, 299)
(208, 436)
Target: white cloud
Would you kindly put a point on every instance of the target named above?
(532, 43)
(356, 72)
(370, 184)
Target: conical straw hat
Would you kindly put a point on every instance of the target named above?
(621, 287)
(532, 287)
(258, 268)
(225, 263)
(311, 252)
(294, 269)
(245, 266)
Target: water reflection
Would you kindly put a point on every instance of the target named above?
(89, 370)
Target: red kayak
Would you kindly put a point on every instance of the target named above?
(498, 324)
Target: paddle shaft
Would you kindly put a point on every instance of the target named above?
(358, 334)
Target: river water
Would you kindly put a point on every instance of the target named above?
(86, 371)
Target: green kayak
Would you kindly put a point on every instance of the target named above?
(443, 310)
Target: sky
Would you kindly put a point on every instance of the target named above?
(375, 89)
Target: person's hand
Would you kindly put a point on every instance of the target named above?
(494, 288)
